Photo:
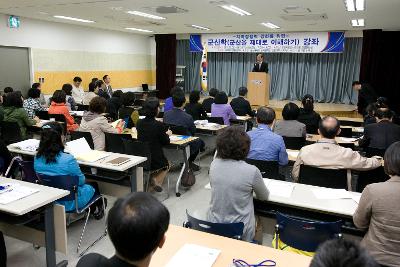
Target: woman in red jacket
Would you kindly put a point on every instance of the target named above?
(58, 106)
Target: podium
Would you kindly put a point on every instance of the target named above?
(258, 88)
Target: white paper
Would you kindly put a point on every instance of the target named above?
(81, 150)
(200, 122)
(330, 193)
(15, 192)
(77, 113)
(28, 145)
(280, 189)
(346, 139)
(208, 186)
(356, 198)
(194, 256)
(293, 154)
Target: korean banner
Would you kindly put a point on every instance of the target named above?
(296, 42)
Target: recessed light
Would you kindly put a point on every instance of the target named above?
(236, 10)
(138, 30)
(74, 19)
(355, 5)
(270, 25)
(357, 22)
(200, 27)
(146, 15)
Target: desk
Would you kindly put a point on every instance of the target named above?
(292, 154)
(354, 129)
(351, 121)
(132, 166)
(339, 140)
(44, 198)
(230, 249)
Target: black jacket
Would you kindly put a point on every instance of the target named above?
(380, 135)
(241, 107)
(179, 117)
(366, 96)
(310, 119)
(207, 104)
(196, 110)
(97, 260)
(154, 133)
(263, 68)
(113, 105)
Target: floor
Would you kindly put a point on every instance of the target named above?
(196, 199)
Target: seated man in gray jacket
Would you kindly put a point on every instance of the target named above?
(327, 154)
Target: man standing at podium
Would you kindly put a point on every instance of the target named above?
(260, 65)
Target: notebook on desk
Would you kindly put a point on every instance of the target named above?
(81, 150)
(13, 192)
(118, 161)
(28, 145)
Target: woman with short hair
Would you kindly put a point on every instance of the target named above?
(32, 104)
(289, 126)
(71, 104)
(221, 108)
(194, 108)
(58, 106)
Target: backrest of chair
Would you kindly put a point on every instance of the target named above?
(268, 169)
(346, 132)
(114, 142)
(137, 148)
(231, 230)
(10, 132)
(28, 171)
(42, 114)
(178, 129)
(138, 102)
(87, 135)
(306, 235)
(371, 151)
(217, 120)
(58, 117)
(331, 178)
(83, 107)
(348, 145)
(66, 182)
(295, 143)
(365, 178)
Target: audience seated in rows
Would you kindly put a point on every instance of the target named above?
(209, 100)
(308, 116)
(178, 117)
(289, 126)
(378, 213)
(342, 253)
(14, 112)
(327, 154)
(233, 182)
(51, 160)
(240, 105)
(221, 108)
(94, 122)
(266, 145)
(93, 91)
(383, 133)
(127, 112)
(77, 91)
(156, 134)
(32, 103)
(70, 101)
(42, 98)
(194, 108)
(58, 106)
(136, 224)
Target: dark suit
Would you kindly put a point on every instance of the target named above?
(196, 111)
(154, 133)
(97, 260)
(366, 96)
(262, 68)
(241, 107)
(380, 135)
(207, 104)
(113, 105)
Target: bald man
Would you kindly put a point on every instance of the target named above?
(327, 154)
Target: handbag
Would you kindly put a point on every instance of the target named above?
(188, 178)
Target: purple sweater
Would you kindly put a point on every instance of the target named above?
(223, 110)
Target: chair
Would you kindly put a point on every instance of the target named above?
(138, 102)
(114, 142)
(365, 178)
(217, 120)
(70, 183)
(58, 117)
(268, 169)
(331, 178)
(88, 136)
(304, 234)
(82, 107)
(10, 132)
(295, 143)
(26, 168)
(42, 114)
(230, 230)
(348, 145)
(178, 129)
(346, 132)
(371, 151)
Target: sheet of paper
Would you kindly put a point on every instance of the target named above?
(91, 156)
(81, 150)
(15, 192)
(330, 193)
(201, 122)
(208, 186)
(194, 256)
(293, 154)
(346, 139)
(278, 188)
(28, 145)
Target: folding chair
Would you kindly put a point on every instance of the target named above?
(268, 169)
(88, 137)
(295, 143)
(114, 142)
(217, 120)
(10, 132)
(26, 169)
(331, 178)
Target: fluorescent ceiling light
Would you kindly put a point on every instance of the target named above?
(200, 27)
(138, 30)
(355, 5)
(236, 10)
(270, 25)
(142, 14)
(74, 19)
(357, 23)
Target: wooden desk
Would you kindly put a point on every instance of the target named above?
(44, 198)
(230, 249)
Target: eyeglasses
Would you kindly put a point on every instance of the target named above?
(242, 263)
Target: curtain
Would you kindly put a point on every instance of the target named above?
(165, 63)
(379, 64)
(327, 77)
(192, 62)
